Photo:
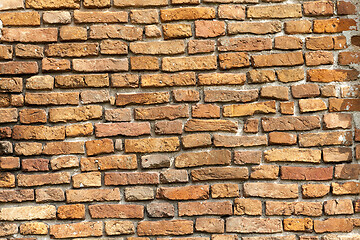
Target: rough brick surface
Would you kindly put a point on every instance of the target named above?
(179, 119)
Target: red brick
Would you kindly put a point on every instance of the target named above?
(54, 65)
(281, 138)
(219, 173)
(349, 58)
(345, 8)
(9, 163)
(17, 196)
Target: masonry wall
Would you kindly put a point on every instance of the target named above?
(179, 119)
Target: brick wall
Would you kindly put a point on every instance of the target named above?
(179, 119)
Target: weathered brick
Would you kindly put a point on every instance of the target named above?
(315, 190)
(278, 59)
(298, 224)
(221, 79)
(116, 211)
(290, 75)
(337, 105)
(57, 17)
(96, 147)
(144, 63)
(249, 109)
(288, 42)
(125, 129)
(29, 51)
(6, 147)
(72, 49)
(195, 125)
(170, 144)
(189, 13)
(292, 155)
(318, 58)
(7, 180)
(37, 35)
(180, 30)
(333, 225)
(234, 12)
(49, 195)
(90, 195)
(254, 27)
(234, 60)
(271, 190)
(115, 227)
(129, 33)
(11, 85)
(25, 180)
(118, 115)
(17, 67)
(57, 4)
(157, 210)
(197, 192)
(293, 208)
(6, 53)
(224, 190)
(217, 173)
(6, 5)
(40, 83)
(165, 227)
(201, 46)
(174, 176)
(139, 193)
(337, 154)
(90, 179)
(318, 8)
(35, 165)
(345, 188)
(8, 115)
(55, 65)
(209, 225)
(208, 29)
(325, 138)
(20, 19)
(247, 206)
(60, 148)
(147, 16)
(139, 3)
(79, 130)
(82, 229)
(109, 163)
(253, 225)
(215, 157)
(82, 81)
(289, 123)
(331, 75)
(73, 33)
(239, 141)
(337, 207)
(77, 114)
(175, 64)
(9, 163)
(312, 105)
(334, 25)
(306, 173)
(168, 127)
(347, 171)
(281, 138)
(142, 98)
(100, 65)
(96, 3)
(275, 11)
(38, 132)
(264, 172)
(131, 178)
(205, 208)
(244, 44)
(298, 27)
(5, 132)
(74, 211)
(28, 213)
(17, 195)
(261, 76)
(345, 8)
(124, 80)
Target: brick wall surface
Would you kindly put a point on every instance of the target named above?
(180, 119)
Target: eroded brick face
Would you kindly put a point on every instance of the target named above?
(179, 119)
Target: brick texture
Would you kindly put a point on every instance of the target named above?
(179, 119)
